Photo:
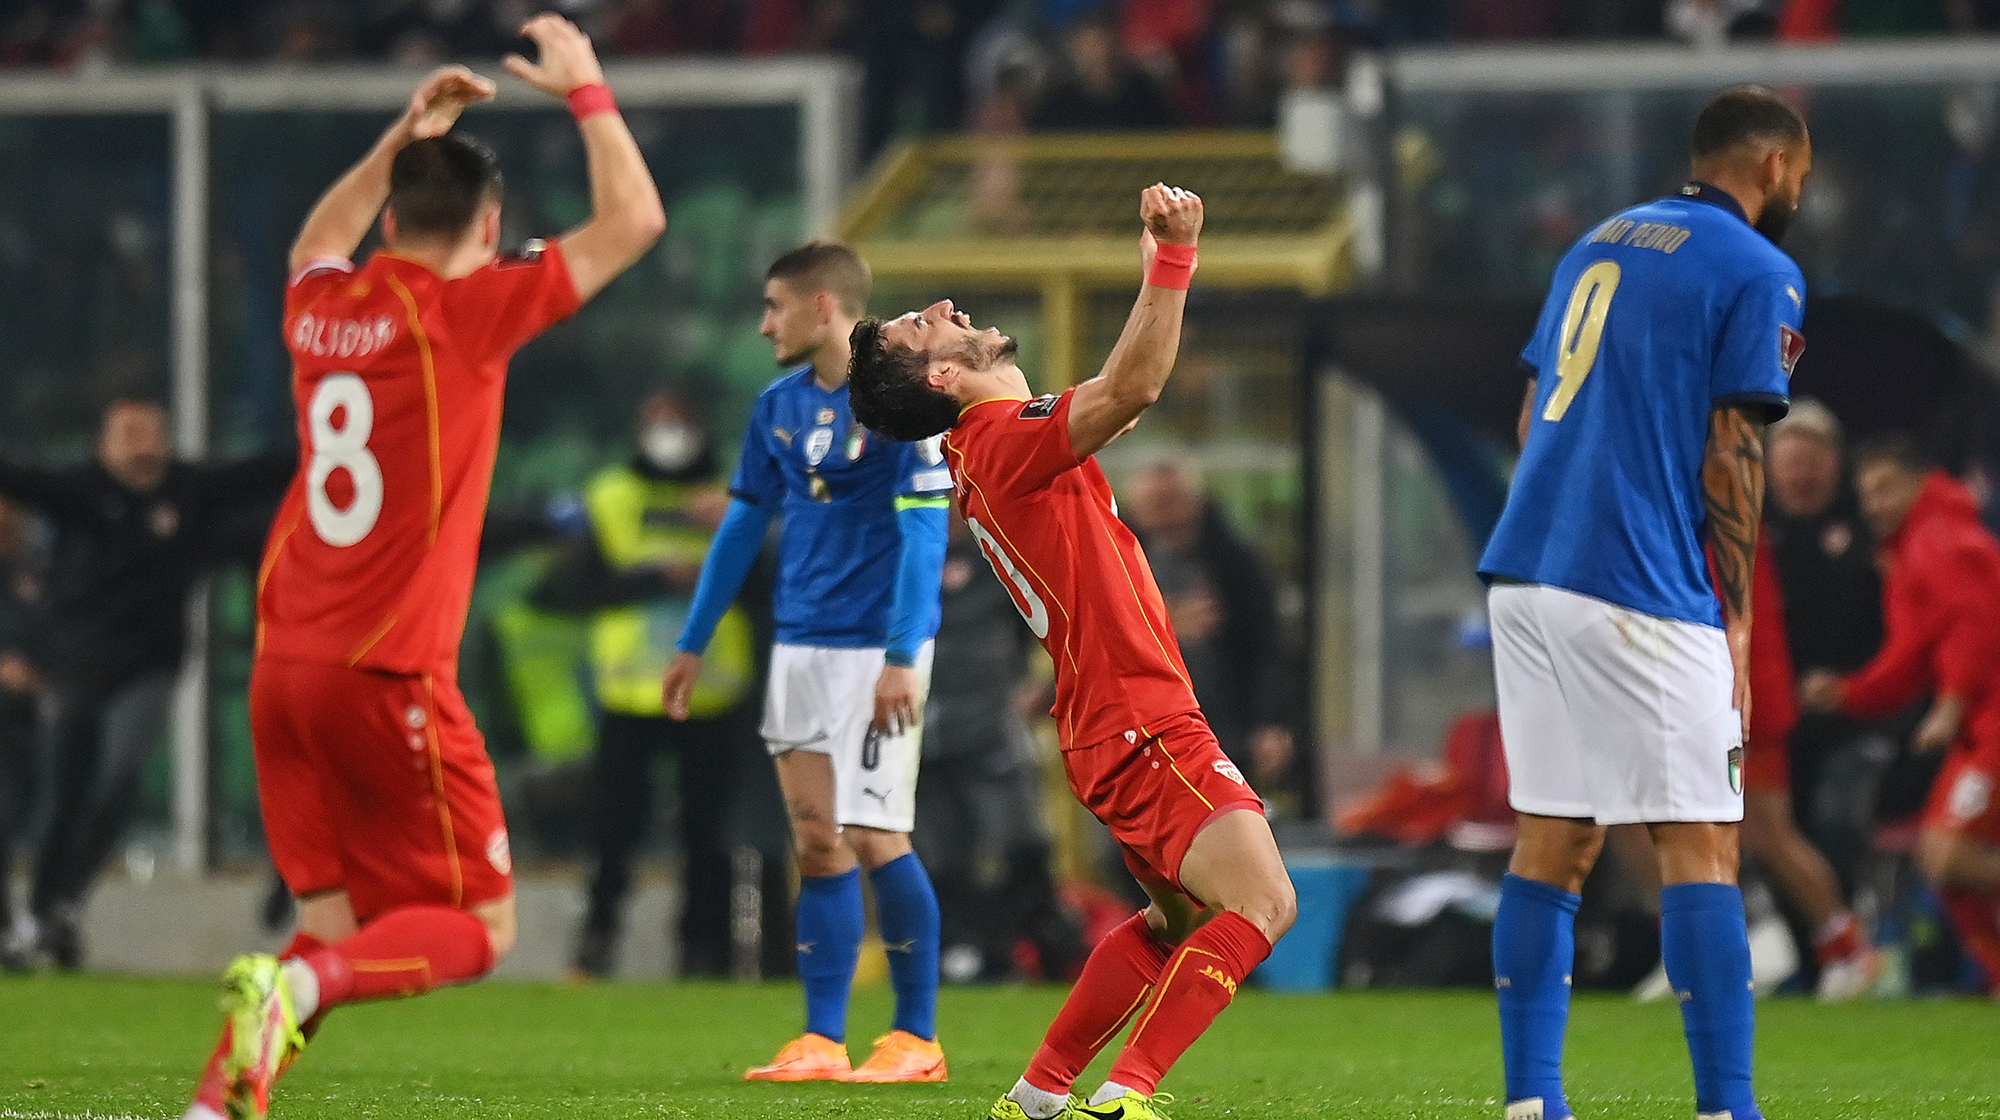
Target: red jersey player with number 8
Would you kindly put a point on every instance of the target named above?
(1138, 753)
(378, 799)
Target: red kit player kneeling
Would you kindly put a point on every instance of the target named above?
(378, 799)
(1138, 752)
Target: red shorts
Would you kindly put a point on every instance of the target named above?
(1157, 791)
(1961, 800)
(377, 784)
(1767, 766)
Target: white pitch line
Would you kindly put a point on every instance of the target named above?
(15, 1114)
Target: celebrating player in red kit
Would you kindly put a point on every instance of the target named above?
(1135, 745)
(378, 799)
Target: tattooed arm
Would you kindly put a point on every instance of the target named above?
(1732, 487)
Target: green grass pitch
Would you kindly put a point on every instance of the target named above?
(109, 1048)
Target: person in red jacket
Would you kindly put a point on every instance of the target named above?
(1941, 599)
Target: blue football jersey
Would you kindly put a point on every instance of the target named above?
(1653, 319)
(835, 484)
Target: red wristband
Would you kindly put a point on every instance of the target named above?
(588, 101)
(1173, 267)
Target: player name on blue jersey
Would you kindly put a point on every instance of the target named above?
(835, 484)
(1654, 318)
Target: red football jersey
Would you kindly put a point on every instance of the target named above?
(397, 375)
(1050, 528)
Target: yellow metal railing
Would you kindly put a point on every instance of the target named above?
(1058, 215)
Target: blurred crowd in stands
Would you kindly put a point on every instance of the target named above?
(947, 64)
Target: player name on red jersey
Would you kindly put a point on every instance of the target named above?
(398, 375)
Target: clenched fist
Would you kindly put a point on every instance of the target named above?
(1172, 215)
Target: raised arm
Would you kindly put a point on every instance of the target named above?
(1106, 406)
(348, 209)
(625, 212)
(1732, 487)
(58, 495)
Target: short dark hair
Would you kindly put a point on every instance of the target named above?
(1741, 114)
(132, 398)
(437, 184)
(1890, 447)
(827, 266)
(887, 389)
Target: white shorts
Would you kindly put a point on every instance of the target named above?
(1613, 715)
(823, 700)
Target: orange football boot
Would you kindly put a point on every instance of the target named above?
(809, 1057)
(901, 1056)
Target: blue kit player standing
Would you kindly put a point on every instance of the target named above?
(860, 563)
(1666, 345)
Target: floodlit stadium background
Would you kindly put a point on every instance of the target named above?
(1388, 187)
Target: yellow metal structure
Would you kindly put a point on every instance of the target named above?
(1058, 215)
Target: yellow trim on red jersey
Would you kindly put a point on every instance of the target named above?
(271, 557)
(438, 792)
(264, 571)
(381, 631)
(435, 433)
(1141, 600)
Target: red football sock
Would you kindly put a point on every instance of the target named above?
(405, 951)
(208, 1091)
(1972, 919)
(1115, 980)
(1198, 982)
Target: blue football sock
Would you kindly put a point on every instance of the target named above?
(908, 909)
(1534, 947)
(830, 928)
(1706, 947)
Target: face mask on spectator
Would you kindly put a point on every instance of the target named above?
(671, 446)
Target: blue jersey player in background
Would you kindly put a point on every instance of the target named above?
(1665, 346)
(860, 558)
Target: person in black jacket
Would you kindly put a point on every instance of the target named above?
(1825, 556)
(23, 626)
(134, 529)
(1222, 601)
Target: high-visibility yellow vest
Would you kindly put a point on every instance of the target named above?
(643, 521)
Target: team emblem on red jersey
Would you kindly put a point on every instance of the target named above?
(498, 853)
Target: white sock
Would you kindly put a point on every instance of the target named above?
(1111, 1092)
(304, 983)
(1039, 1104)
(201, 1112)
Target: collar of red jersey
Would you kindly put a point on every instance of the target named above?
(991, 400)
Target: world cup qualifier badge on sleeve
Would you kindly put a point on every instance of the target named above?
(1791, 344)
